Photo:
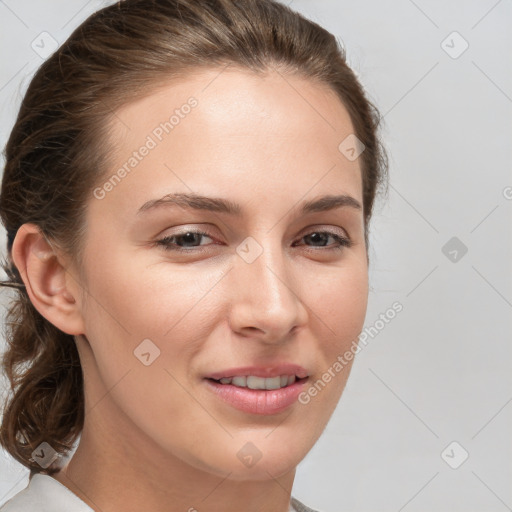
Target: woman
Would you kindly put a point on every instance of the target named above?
(187, 196)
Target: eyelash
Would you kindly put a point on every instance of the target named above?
(168, 245)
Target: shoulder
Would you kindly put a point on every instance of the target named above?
(296, 504)
(45, 494)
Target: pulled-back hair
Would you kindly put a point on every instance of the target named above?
(56, 154)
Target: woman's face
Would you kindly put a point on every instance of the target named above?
(251, 279)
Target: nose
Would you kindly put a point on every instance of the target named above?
(266, 294)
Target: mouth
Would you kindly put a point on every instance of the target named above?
(254, 382)
(262, 391)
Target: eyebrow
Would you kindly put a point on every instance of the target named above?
(219, 205)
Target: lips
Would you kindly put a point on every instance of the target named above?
(259, 390)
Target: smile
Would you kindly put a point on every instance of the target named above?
(253, 382)
(258, 395)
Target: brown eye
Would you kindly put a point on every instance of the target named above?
(180, 241)
(322, 237)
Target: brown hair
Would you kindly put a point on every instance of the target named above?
(56, 155)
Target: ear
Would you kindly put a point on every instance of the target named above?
(53, 291)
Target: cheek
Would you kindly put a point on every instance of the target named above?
(163, 305)
(339, 311)
(136, 297)
(129, 301)
(340, 305)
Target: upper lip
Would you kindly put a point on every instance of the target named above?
(261, 371)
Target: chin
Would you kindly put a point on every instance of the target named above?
(270, 466)
(263, 455)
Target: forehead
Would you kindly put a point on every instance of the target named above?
(235, 132)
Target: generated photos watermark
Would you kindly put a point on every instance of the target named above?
(343, 359)
(152, 140)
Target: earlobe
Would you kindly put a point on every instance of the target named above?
(51, 288)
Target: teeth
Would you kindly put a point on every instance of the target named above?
(272, 383)
(253, 382)
(240, 381)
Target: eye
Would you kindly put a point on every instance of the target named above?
(321, 237)
(180, 241)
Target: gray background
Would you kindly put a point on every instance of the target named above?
(439, 372)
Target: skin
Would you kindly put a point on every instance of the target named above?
(267, 142)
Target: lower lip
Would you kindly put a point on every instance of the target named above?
(258, 401)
